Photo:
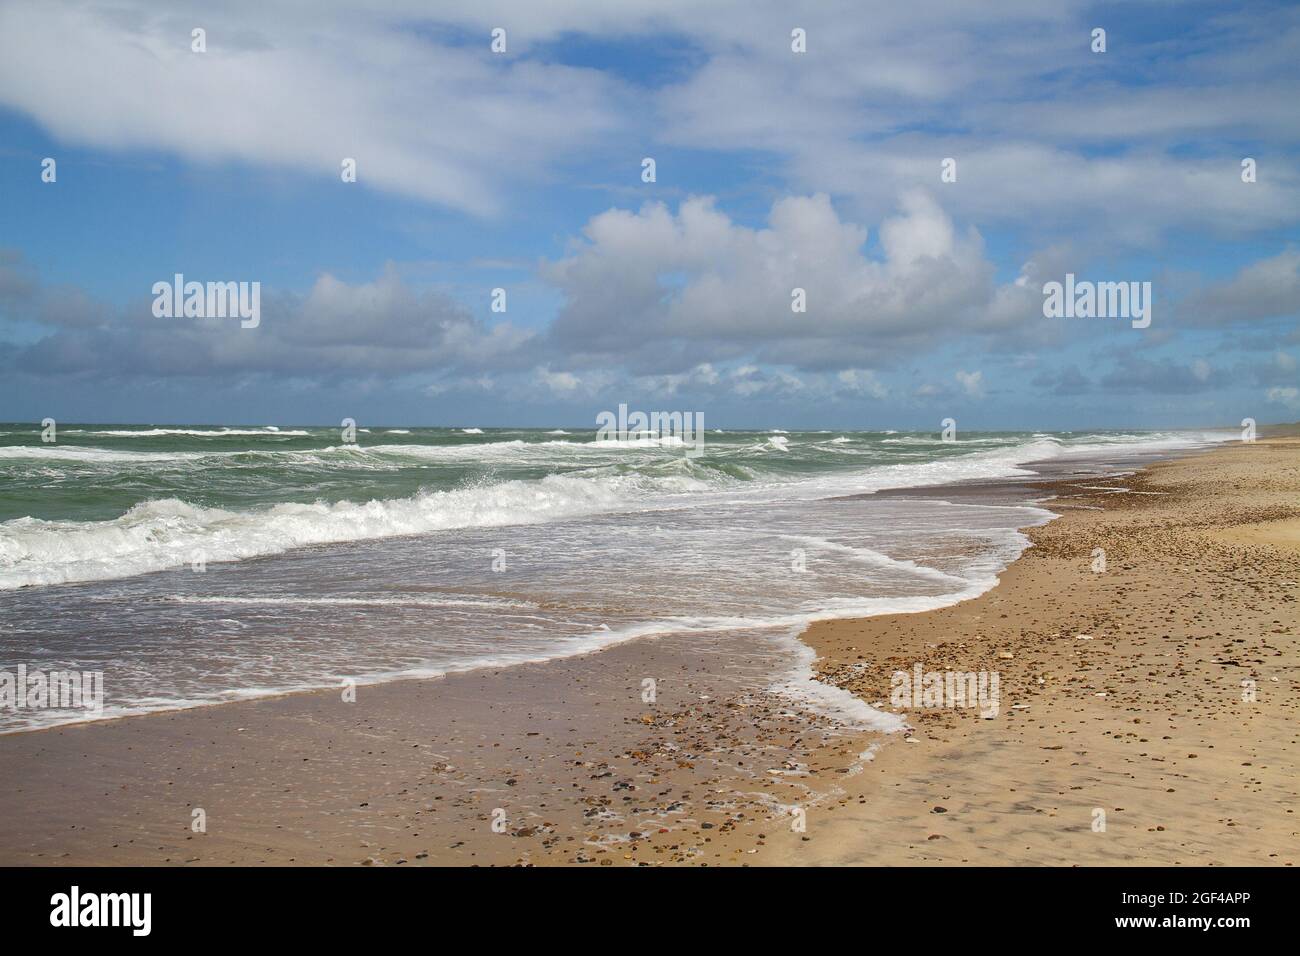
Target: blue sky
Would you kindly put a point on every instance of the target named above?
(522, 170)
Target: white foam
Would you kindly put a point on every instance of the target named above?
(91, 455)
(265, 431)
(801, 685)
(876, 559)
(167, 533)
(645, 441)
(289, 601)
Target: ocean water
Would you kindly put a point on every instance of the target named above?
(198, 564)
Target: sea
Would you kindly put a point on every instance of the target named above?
(197, 565)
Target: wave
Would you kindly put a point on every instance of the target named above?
(167, 533)
(266, 432)
(645, 441)
(381, 457)
(92, 455)
(514, 447)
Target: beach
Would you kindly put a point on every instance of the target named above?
(1121, 692)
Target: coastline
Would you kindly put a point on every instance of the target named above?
(1121, 690)
(704, 775)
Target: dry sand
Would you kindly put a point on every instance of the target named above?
(1120, 692)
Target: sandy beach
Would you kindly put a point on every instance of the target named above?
(1147, 715)
(1122, 691)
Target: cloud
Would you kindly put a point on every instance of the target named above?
(561, 383)
(17, 280)
(750, 381)
(1288, 396)
(334, 331)
(701, 377)
(972, 383)
(422, 117)
(1165, 375)
(863, 381)
(1065, 381)
(24, 298)
(1012, 92)
(664, 291)
(1267, 289)
(1016, 97)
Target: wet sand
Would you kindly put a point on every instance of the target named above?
(567, 758)
(1121, 691)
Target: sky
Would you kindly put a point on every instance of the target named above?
(775, 169)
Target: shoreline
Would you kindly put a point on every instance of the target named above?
(1098, 757)
(664, 750)
(1004, 491)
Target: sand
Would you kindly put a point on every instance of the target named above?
(1121, 692)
